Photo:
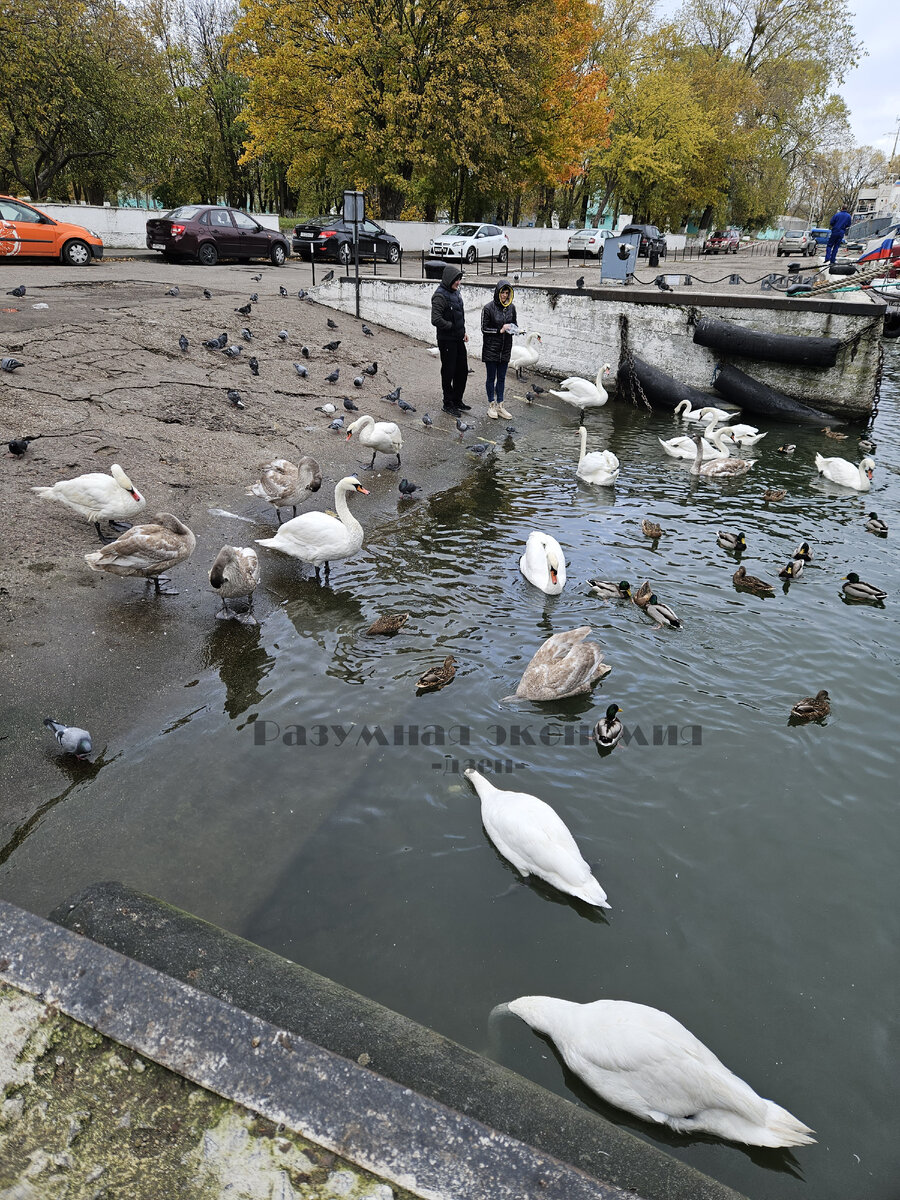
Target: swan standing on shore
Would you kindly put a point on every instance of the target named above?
(235, 573)
(379, 436)
(317, 537)
(583, 394)
(98, 497)
(525, 356)
(285, 484)
(544, 563)
(535, 839)
(839, 470)
(147, 550)
(644, 1061)
(600, 467)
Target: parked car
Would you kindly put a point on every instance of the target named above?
(26, 232)
(797, 241)
(331, 238)
(821, 236)
(470, 241)
(588, 242)
(651, 239)
(722, 241)
(208, 232)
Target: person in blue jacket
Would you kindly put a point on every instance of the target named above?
(839, 224)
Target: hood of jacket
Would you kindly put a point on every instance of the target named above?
(450, 275)
(504, 283)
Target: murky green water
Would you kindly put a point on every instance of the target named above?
(751, 866)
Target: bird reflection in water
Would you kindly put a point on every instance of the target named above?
(242, 662)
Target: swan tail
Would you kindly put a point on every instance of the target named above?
(774, 1127)
(592, 893)
(272, 541)
(785, 1129)
(820, 464)
(45, 493)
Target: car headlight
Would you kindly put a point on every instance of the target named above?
(94, 233)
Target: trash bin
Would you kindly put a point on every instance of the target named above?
(653, 258)
(434, 268)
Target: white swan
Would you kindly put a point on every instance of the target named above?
(544, 563)
(317, 537)
(686, 412)
(839, 470)
(530, 835)
(718, 468)
(583, 394)
(284, 484)
(685, 447)
(600, 466)
(744, 435)
(564, 665)
(710, 413)
(235, 573)
(644, 1061)
(383, 436)
(522, 356)
(97, 497)
(147, 550)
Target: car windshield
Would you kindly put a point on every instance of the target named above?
(718, 233)
(329, 222)
(185, 213)
(460, 231)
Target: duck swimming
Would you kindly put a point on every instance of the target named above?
(750, 583)
(856, 589)
(813, 708)
(609, 728)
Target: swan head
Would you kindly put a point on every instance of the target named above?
(867, 466)
(124, 482)
(351, 484)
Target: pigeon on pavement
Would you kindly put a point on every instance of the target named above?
(327, 278)
(234, 398)
(367, 331)
(10, 364)
(70, 738)
(183, 343)
(333, 377)
(174, 291)
(331, 345)
(18, 292)
(301, 370)
(244, 310)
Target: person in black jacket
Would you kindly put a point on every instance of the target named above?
(449, 319)
(498, 324)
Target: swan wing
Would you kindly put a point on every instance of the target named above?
(314, 534)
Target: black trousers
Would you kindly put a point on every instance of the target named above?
(454, 372)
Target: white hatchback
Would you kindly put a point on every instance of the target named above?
(469, 241)
(588, 241)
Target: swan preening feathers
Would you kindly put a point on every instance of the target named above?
(235, 575)
(285, 484)
(565, 665)
(644, 1061)
(147, 550)
(544, 563)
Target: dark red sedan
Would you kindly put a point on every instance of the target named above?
(209, 232)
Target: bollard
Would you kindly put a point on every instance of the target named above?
(653, 258)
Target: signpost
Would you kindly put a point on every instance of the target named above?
(355, 214)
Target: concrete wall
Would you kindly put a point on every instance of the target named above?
(580, 331)
(416, 235)
(125, 227)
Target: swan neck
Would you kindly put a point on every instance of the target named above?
(345, 516)
(582, 434)
(695, 466)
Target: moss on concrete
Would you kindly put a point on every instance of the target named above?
(86, 1119)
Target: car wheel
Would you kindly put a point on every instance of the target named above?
(207, 255)
(277, 255)
(471, 254)
(345, 254)
(76, 253)
(780, 253)
(503, 254)
(811, 251)
(393, 254)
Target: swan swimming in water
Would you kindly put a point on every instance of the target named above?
(644, 1061)
(318, 537)
(544, 563)
(600, 467)
(713, 443)
(565, 665)
(839, 470)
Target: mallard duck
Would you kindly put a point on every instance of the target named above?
(535, 839)
(750, 583)
(320, 537)
(564, 665)
(787, 448)
(147, 550)
(235, 573)
(770, 495)
(856, 589)
(650, 529)
(98, 497)
(839, 470)
(644, 1061)
(610, 591)
(389, 624)
(718, 468)
(793, 570)
(642, 596)
(867, 445)
(876, 525)
(285, 484)
(382, 437)
(830, 433)
(803, 551)
(813, 708)
(437, 677)
(543, 564)
(662, 614)
(731, 541)
(608, 729)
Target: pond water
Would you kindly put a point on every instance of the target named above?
(298, 795)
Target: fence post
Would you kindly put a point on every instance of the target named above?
(312, 263)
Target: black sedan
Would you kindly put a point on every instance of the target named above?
(209, 232)
(331, 238)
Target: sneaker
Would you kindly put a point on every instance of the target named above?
(493, 411)
(502, 411)
(452, 410)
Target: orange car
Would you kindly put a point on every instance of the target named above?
(26, 232)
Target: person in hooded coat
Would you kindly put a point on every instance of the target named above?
(449, 319)
(498, 324)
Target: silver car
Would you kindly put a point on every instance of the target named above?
(797, 241)
(588, 241)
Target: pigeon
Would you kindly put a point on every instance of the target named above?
(331, 345)
(408, 488)
(371, 370)
(235, 398)
(301, 370)
(393, 396)
(70, 738)
(328, 278)
(232, 351)
(530, 397)
(331, 324)
(511, 429)
(478, 449)
(537, 389)
(18, 292)
(247, 335)
(337, 424)
(328, 409)
(244, 310)
(18, 446)
(358, 381)
(367, 331)
(174, 291)
(218, 343)
(302, 294)
(283, 335)
(256, 278)
(661, 284)
(254, 297)
(253, 364)
(282, 291)
(426, 421)
(10, 364)
(304, 350)
(579, 282)
(183, 343)
(462, 426)
(349, 405)
(207, 294)
(333, 377)
(406, 407)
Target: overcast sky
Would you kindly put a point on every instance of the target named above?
(872, 91)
